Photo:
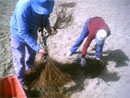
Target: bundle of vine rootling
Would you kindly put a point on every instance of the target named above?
(52, 76)
(47, 81)
(52, 80)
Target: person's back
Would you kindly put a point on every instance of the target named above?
(22, 8)
(95, 24)
(94, 28)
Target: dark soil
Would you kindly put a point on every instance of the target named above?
(36, 78)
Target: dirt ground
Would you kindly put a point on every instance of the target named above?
(114, 81)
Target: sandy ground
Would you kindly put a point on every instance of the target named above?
(114, 82)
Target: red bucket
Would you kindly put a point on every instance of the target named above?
(11, 88)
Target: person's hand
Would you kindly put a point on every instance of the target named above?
(69, 54)
(83, 62)
(41, 51)
(53, 31)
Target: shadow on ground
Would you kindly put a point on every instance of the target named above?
(117, 56)
(94, 68)
(78, 74)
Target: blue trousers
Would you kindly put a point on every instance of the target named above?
(83, 35)
(23, 58)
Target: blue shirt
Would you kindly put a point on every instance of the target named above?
(25, 22)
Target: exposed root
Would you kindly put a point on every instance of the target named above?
(52, 76)
(50, 80)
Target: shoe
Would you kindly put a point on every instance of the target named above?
(25, 87)
(97, 58)
(69, 54)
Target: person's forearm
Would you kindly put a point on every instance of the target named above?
(29, 39)
(86, 45)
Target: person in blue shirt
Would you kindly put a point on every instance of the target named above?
(28, 16)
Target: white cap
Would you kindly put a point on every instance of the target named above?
(100, 36)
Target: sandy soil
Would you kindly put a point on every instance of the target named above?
(114, 82)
